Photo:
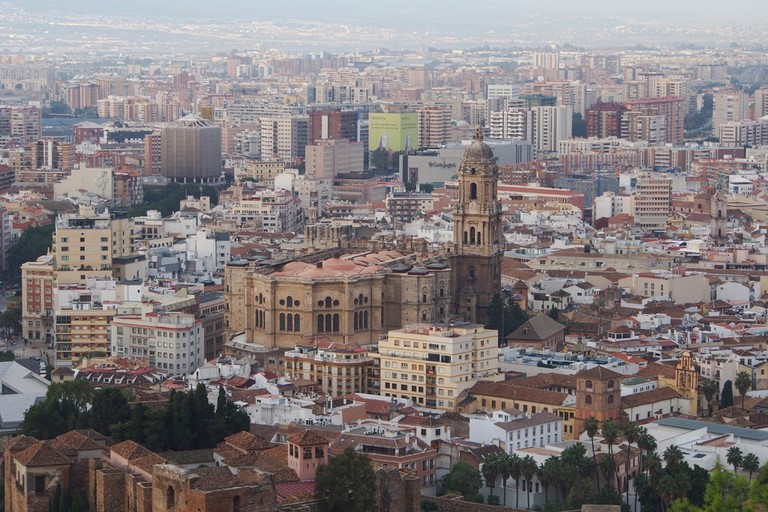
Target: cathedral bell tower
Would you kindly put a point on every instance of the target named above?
(477, 233)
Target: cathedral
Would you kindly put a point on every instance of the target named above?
(355, 294)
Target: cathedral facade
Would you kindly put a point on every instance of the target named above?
(358, 298)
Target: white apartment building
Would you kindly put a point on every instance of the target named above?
(284, 137)
(433, 364)
(272, 211)
(171, 341)
(549, 125)
(729, 105)
(611, 204)
(327, 158)
(513, 430)
(653, 200)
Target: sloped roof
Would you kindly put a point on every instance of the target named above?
(598, 373)
(538, 328)
(42, 453)
(649, 397)
(129, 450)
(307, 438)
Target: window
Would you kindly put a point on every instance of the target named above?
(589, 384)
(473, 191)
(39, 484)
(610, 399)
(170, 497)
(588, 399)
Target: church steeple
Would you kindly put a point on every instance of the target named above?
(477, 231)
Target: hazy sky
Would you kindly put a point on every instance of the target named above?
(390, 11)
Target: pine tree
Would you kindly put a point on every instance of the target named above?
(726, 397)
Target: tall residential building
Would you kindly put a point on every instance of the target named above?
(338, 369)
(434, 126)
(191, 150)
(640, 126)
(508, 123)
(153, 154)
(477, 234)
(434, 364)
(53, 154)
(728, 105)
(653, 200)
(672, 107)
(82, 314)
(284, 137)
(548, 126)
(171, 341)
(37, 284)
(327, 158)
(86, 243)
(743, 133)
(761, 102)
(334, 124)
(21, 123)
(393, 131)
(604, 120)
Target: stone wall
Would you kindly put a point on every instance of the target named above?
(459, 505)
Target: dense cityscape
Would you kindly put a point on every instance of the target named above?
(308, 262)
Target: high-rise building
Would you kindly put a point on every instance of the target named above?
(334, 124)
(549, 125)
(434, 364)
(672, 107)
(653, 201)
(52, 154)
(37, 280)
(477, 233)
(644, 126)
(393, 131)
(85, 244)
(284, 137)
(153, 154)
(434, 126)
(761, 102)
(728, 105)
(508, 123)
(604, 120)
(23, 124)
(191, 150)
(327, 158)
(743, 133)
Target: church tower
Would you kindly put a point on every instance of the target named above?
(477, 233)
(718, 213)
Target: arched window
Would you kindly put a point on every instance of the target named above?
(610, 399)
(365, 319)
(355, 320)
(320, 324)
(471, 235)
(465, 237)
(282, 321)
(297, 322)
(473, 191)
(589, 384)
(236, 504)
(328, 323)
(423, 316)
(336, 322)
(170, 497)
(588, 399)
(289, 300)
(610, 384)
(290, 322)
(327, 302)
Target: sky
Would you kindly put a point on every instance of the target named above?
(373, 12)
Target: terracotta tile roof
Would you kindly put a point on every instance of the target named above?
(20, 443)
(295, 492)
(538, 328)
(247, 441)
(547, 380)
(598, 373)
(512, 392)
(40, 454)
(649, 397)
(129, 450)
(280, 470)
(147, 462)
(307, 438)
(215, 478)
(540, 418)
(203, 456)
(654, 370)
(85, 439)
(421, 421)
(278, 453)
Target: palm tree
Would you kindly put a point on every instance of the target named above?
(504, 473)
(610, 435)
(528, 468)
(735, 457)
(743, 383)
(513, 466)
(673, 457)
(631, 434)
(710, 388)
(549, 473)
(750, 464)
(490, 472)
(591, 427)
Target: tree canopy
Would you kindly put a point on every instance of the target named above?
(463, 479)
(33, 243)
(726, 396)
(346, 483)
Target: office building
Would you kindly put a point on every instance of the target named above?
(191, 150)
(284, 137)
(327, 158)
(653, 199)
(549, 125)
(434, 126)
(334, 124)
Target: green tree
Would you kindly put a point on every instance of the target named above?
(611, 435)
(743, 383)
(578, 126)
(734, 457)
(751, 464)
(549, 474)
(109, 407)
(726, 492)
(591, 427)
(726, 397)
(515, 470)
(528, 468)
(709, 388)
(33, 243)
(64, 408)
(463, 479)
(490, 470)
(379, 159)
(631, 434)
(427, 188)
(347, 483)
(410, 186)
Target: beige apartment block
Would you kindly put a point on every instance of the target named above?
(434, 364)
